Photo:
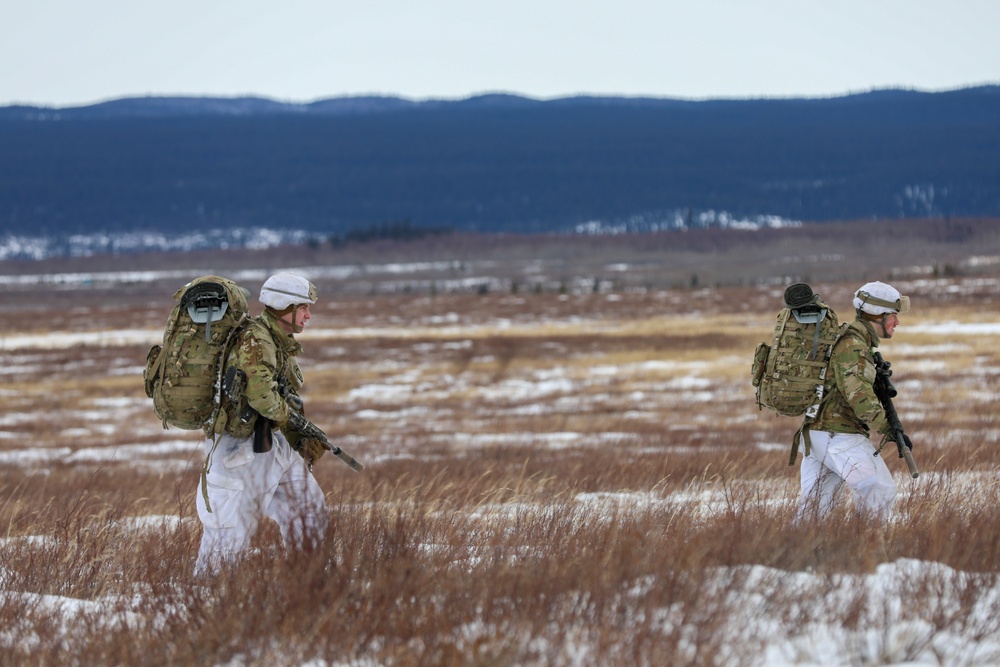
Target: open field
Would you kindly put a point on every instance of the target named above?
(564, 465)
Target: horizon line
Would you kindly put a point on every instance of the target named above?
(492, 93)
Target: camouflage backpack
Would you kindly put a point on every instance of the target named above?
(790, 372)
(183, 375)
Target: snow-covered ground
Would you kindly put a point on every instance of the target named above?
(401, 395)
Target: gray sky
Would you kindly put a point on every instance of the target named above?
(72, 52)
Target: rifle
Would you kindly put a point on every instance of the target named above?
(233, 387)
(885, 390)
(307, 429)
(297, 422)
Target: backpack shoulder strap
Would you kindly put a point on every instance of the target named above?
(220, 368)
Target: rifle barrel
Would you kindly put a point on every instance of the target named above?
(910, 463)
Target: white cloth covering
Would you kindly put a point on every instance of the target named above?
(244, 486)
(836, 459)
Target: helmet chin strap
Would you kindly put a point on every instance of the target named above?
(875, 319)
(884, 323)
(294, 325)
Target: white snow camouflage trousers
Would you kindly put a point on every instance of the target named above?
(244, 486)
(836, 459)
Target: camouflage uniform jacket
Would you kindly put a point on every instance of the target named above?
(851, 405)
(266, 354)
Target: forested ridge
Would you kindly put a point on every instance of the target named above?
(495, 163)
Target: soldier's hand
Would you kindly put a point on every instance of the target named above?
(311, 449)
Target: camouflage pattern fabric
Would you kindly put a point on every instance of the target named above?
(852, 406)
(182, 375)
(788, 371)
(266, 354)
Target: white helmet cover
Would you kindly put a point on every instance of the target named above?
(878, 299)
(287, 289)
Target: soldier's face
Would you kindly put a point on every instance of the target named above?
(295, 321)
(891, 322)
(303, 315)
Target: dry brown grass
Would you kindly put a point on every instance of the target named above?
(552, 479)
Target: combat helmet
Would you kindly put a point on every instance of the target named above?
(283, 293)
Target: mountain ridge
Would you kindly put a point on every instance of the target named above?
(168, 105)
(496, 162)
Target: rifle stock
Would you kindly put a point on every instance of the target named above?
(884, 391)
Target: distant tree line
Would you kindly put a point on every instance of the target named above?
(532, 167)
(395, 230)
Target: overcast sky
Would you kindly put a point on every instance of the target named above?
(73, 52)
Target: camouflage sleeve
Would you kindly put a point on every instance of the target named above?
(258, 359)
(293, 377)
(293, 382)
(854, 370)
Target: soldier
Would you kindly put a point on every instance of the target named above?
(258, 466)
(838, 448)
